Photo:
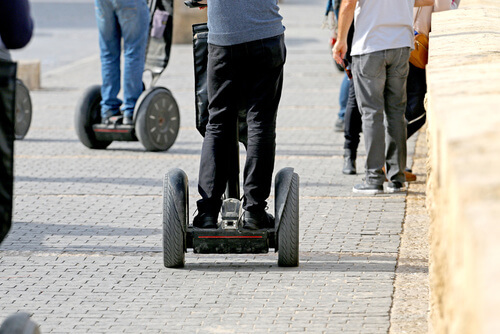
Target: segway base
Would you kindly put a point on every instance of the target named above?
(113, 132)
(230, 241)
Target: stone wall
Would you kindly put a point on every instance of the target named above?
(463, 188)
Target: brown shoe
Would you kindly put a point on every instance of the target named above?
(410, 177)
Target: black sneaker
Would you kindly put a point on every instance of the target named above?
(205, 220)
(395, 187)
(257, 220)
(368, 189)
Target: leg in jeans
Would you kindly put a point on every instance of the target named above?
(264, 85)
(343, 96)
(133, 16)
(109, 43)
(369, 82)
(416, 88)
(395, 105)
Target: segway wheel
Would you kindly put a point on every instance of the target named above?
(20, 323)
(23, 110)
(287, 217)
(175, 218)
(88, 113)
(157, 119)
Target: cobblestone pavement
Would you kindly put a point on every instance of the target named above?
(85, 254)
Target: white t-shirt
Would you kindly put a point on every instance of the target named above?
(382, 25)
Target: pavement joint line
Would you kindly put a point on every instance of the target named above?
(160, 252)
(196, 196)
(161, 157)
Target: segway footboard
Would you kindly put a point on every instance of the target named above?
(114, 132)
(230, 241)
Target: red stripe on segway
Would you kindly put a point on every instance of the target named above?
(113, 131)
(229, 237)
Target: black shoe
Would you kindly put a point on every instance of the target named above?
(368, 189)
(395, 187)
(128, 120)
(349, 166)
(205, 220)
(257, 220)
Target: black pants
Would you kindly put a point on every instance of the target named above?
(352, 118)
(416, 87)
(249, 76)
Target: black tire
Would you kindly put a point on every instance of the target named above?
(157, 119)
(88, 113)
(23, 110)
(175, 218)
(287, 217)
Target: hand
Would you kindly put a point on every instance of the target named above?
(339, 50)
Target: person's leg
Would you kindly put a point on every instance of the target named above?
(109, 44)
(369, 82)
(416, 88)
(223, 107)
(351, 131)
(264, 84)
(395, 105)
(343, 96)
(133, 16)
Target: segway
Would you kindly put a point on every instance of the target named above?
(229, 236)
(23, 110)
(156, 119)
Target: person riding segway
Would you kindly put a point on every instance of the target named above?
(148, 115)
(244, 76)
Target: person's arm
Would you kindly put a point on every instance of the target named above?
(422, 3)
(16, 26)
(346, 15)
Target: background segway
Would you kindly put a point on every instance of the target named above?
(287, 217)
(157, 119)
(23, 110)
(88, 113)
(175, 217)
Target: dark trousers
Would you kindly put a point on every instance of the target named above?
(248, 76)
(352, 119)
(416, 88)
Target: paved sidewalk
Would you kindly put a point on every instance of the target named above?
(85, 254)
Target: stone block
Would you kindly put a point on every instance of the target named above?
(463, 189)
(29, 72)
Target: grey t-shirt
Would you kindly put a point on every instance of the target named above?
(233, 22)
(382, 25)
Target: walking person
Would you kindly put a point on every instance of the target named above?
(117, 20)
(381, 47)
(246, 54)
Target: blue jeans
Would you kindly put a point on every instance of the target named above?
(116, 19)
(343, 96)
